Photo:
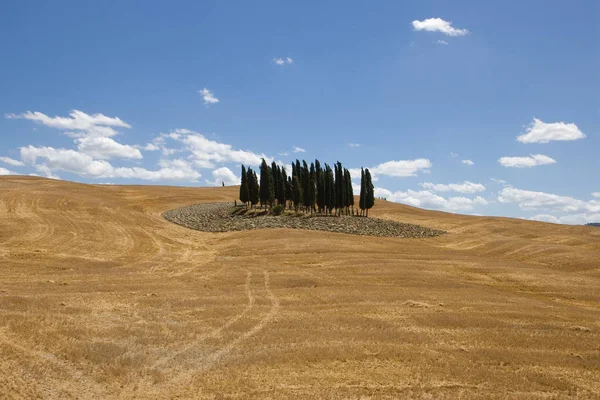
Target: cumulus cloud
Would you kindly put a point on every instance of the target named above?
(465, 187)
(531, 200)
(596, 194)
(283, 61)
(208, 96)
(573, 219)
(106, 148)
(72, 161)
(93, 134)
(4, 171)
(11, 161)
(438, 25)
(526, 162)
(427, 199)
(402, 168)
(224, 175)
(468, 162)
(205, 152)
(541, 132)
(297, 149)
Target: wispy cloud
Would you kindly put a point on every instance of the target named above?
(283, 61)
(526, 162)
(438, 25)
(353, 145)
(10, 161)
(468, 162)
(208, 96)
(441, 42)
(297, 149)
(465, 187)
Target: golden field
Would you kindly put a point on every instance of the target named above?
(102, 298)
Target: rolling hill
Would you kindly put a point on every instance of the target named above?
(101, 297)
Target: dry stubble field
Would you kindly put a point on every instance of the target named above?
(100, 297)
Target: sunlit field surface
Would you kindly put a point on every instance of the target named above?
(101, 297)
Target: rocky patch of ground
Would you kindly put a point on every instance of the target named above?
(216, 217)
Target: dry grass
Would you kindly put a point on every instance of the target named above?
(102, 298)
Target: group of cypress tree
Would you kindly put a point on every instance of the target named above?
(249, 189)
(309, 189)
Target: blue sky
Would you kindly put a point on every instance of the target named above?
(182, 92)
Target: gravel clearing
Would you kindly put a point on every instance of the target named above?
(216, 217)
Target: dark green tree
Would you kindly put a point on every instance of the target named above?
(281, 195)
(253, 187)
(297, 192)
(369, 192)
(289, 191)
(329, 189)
(363, 188)
(275, 174)
(244, 189)
(306, 186)
(340, 188)
(266, 183)
(349, 191)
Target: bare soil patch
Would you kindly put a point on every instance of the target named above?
(218, 217)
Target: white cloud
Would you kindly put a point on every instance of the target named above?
(106, 148)
(208, 96)
(151, 147)
(205, 152)
(224, 175)
(10, 161)
(441, 42)
(402, 168)
(465, 187)
(79, 120)
(596, 194)
(438, 25)
(427, 199)
(499, 181)
(297, 149)
(530, 200)
(541, 132)
(283, 61)
(92, 133)
(545, 218)
(4, 171)
(453, 155)
(468, 162)
(526, 162)
(82, 164)
(353, 145)
(573, 219)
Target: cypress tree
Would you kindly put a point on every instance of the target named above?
(305, 186)
(289, 191)
(282, 187)
(312, 187)
(244, 189)
(349, 191)
(340, 188)
(275, 173)
(363, 187)
(329, 189)
(265, 179)
(254, 188)
(369, 192)
(297, 192)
